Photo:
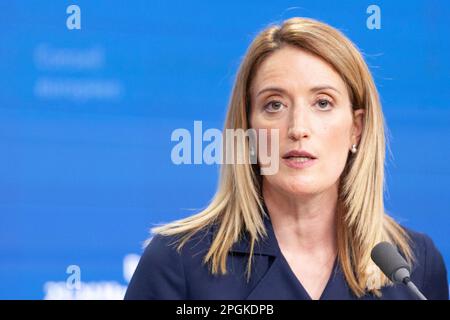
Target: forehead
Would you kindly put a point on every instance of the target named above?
(295, 68)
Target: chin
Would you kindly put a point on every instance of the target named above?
(301, 192)
(299, 188)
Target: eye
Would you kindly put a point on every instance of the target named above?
(273, 106)
(324, 103)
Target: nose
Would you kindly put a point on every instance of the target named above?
(298, 124)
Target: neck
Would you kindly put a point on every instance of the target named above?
(306, 223)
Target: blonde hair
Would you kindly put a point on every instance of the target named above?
(238, 206)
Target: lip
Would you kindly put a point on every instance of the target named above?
(298, 153)
(292, 163)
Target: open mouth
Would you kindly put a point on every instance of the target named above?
(299, 159)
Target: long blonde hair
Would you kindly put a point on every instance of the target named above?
(238, 205)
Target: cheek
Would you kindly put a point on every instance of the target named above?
(269, 134)
(335, 150)
(334, 131)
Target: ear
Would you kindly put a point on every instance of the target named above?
(358, 125)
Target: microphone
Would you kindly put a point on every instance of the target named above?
(389, 260)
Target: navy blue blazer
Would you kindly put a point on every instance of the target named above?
(163, 273)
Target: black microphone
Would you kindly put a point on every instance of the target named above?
(389, 260)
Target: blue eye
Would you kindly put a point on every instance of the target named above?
(323, 103)
(273, 106)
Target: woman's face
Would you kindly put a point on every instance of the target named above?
(302, 96)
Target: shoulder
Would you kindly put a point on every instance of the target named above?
(429, 270)
(164, 249)
(160, 273)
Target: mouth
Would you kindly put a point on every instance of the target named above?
(299, 159)
(299, 162)
(298, 154)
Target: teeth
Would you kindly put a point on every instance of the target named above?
(300, 159)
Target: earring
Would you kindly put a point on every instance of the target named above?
(353, 150)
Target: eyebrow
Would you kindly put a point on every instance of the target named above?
(312, 90)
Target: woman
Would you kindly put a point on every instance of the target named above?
(307, 231)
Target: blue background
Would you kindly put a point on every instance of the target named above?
(82, 179)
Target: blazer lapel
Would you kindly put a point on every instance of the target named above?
(273, 282)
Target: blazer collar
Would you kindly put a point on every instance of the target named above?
(265, 246)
